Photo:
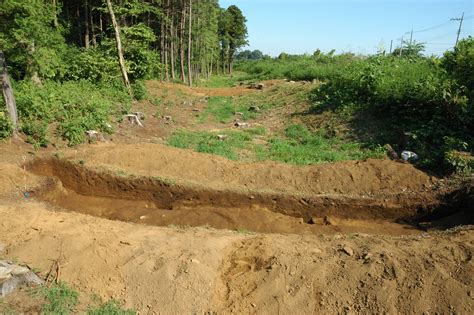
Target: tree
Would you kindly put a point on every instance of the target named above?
(8, 93)
(413, 50)
(119, 48)
(233, 33)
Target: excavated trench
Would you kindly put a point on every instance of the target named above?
(154, 201)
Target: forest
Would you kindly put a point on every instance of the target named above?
(56, 49)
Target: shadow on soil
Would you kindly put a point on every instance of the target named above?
(155, 201)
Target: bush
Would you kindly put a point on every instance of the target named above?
(404, 96)
(139, 90)
(298, 68)
(6, 127)
(68, 109)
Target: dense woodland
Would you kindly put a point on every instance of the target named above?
(71, 40)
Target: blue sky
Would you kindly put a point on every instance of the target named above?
(359, 26)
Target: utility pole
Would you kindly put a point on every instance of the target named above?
(461, 19)
(411, 37)
(391, 45)
(401, 47)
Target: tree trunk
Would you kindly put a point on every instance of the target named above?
(55, 10)
(86, 25)
(119, 49)
(172, 57)
(181, 42)
(190, 42)
(8, 94)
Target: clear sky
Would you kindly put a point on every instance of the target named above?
(359, 26)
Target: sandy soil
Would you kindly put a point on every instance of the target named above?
(113, 216)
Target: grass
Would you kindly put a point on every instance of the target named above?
(302, 147)
(297, 146)
(60, 299)
(220, 81)
(110, 308)
(208, 142)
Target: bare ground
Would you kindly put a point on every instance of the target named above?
(203, 234)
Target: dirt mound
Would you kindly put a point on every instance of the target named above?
(178, 271)
(138, 184)
(372, 178)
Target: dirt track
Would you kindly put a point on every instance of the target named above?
(356, 257)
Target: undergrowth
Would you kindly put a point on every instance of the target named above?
(68, 109)
(297, 146)
(61, 299)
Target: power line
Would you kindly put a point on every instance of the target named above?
(460, 27)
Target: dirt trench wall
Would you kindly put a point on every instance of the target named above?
(167, 195)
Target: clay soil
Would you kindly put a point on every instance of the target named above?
(170, 231)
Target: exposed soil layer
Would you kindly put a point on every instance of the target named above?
(157, 199)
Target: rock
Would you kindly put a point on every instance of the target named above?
(321, 221)
(240, 124)
(367, 256)
(168, 118)
(239, 114)
(254, 109)
(221, 137)
(12, 277)
(253, 305)
(93, 135)
(328, 221)
(349, 251)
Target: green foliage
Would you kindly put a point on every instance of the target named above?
(62, 108)
(298, 146)
(460, 62)
(31, 44)
(302, 147)
(404, 96)
(208, 142)
(461, 162)
(409, 50)
(139, 90)
(60, 298)
(297, 68)
(110, 308)
(6, 127)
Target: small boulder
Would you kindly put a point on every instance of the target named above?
(347, 250)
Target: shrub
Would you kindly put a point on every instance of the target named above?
(6, 127)
(69, 109)
(411, 96)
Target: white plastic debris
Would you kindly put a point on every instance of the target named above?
(409, 156)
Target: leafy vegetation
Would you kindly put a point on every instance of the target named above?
(51, 53)
(319, 66)
(297, 146)
(416, 104)
(60, 299)
(62, 109)
(110, 308)
(6, 128)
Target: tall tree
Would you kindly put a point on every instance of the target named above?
(119, 48)
(8, 93)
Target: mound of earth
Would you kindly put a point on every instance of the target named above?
(183, 271)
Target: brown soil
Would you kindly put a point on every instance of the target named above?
(365, 251)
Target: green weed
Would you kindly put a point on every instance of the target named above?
(110, 308)
(60, 299)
